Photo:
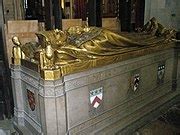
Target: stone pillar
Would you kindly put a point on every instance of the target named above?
(147, 12)
(52, 107)
(1, 28)
(57, 14)
(9, 10)
(125, 14)
(178, 59)
(48, 15)
(17, 95)
(7, 91)
(95, 13)
(18, 10)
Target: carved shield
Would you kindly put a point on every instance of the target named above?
(135, 82)
(160, 73)
(31, 100)
(96, 97)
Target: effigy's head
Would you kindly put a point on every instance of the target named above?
(16, 41)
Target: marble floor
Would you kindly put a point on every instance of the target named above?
(6, 127)
(167, 124)
(158, 128)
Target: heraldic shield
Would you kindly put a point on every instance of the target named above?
(135, 82)
(31, 100)
(160, 74)
(96, 97)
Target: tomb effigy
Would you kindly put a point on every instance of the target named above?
(89, 80)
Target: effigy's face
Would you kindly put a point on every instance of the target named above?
(16, 40)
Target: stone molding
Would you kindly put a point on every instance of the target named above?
(44, 88)
(30, 80)
(15, 73)
(28, 118)
(53, 90)
(18, 113)
(32, 122)
(74, 82)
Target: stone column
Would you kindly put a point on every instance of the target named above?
(178, 59)
(18, 10)
(95, 13)
(52, 107)
(48, 15)
(17, 95)
(125, 14)
(57, 14)
(147, 12)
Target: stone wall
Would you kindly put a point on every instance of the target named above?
(166, 11)
(13, 10)
(9, 12)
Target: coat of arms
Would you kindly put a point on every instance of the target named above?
(160, 74)
(135, 82)
(31, 100)
(96, 97)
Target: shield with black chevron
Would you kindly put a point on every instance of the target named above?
(135, 82)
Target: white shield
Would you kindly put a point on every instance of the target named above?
(96, 97)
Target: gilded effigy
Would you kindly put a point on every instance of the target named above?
(80, 48)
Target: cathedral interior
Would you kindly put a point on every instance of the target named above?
(88, 67)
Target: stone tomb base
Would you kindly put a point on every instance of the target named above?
(113, 99)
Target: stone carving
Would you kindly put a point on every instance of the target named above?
(31, 81)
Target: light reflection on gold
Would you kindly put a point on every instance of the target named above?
(62, 4)
(59, 53)
(50, 74)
